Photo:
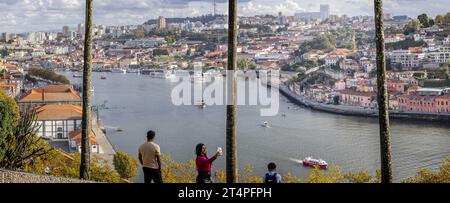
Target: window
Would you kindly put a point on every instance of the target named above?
(59, 135)
(59, 129)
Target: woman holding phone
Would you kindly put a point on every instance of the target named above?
(204, 163)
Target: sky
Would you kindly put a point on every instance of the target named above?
(18, 16)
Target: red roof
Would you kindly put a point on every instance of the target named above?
(76, 136)
(51, 93)
(59, 112)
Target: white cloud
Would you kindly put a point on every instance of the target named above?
(27, 15)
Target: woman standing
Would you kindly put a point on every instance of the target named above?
(204, 163)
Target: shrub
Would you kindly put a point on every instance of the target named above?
(426, 176)
(125, 165)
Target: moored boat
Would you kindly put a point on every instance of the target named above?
(118, 70)
(163, 74)
(132, 71)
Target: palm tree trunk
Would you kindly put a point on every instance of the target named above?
(385, 142)
(231, 154)
(87, 86)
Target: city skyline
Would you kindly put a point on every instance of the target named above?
(320, 85)
(44, 15)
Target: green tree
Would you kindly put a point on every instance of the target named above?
(447, 18)
(245, 64)
(333, 175)
(425, 21)
(445, 72)
(426, 176)
(320, 41)
(18, 141)
(2, 73)
(64, 165)
(174, 172)
(48, 75)
(170, 39)
(405, 44)
(125, 165)
(358, 177)
(9, 118)
(439, 20)
(411, 27)
(137, 33)
(23, 145)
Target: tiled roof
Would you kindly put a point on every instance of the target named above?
(51, 93)
(59, 112)
(76, 136)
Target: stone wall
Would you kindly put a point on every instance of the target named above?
(359, 111)
(21, 177)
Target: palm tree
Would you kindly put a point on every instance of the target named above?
(231, 154)
(385, 137)
(87, 86)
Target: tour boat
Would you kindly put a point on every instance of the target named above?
(77, 76)
(164, 74)
(118, 70)
(132, 71)
(308, 161)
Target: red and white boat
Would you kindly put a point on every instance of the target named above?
(308, 161)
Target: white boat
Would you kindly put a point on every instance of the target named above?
(164, 74)
(212, 74)
(198, 79)
(132, 71)
(265, 124)
(118, 70)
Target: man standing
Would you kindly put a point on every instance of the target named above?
(149, 157)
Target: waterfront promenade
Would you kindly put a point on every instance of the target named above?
(106, 149)
(359, 111)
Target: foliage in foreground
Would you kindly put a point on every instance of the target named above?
(174, 172)
(125, 165)
(427, 176)
(22, 146)
(9, 118)
(18, 141)
(57, 163)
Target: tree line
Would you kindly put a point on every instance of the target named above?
(48, 75)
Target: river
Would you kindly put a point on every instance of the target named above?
(137, 103)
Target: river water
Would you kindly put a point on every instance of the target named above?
(137, 103)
